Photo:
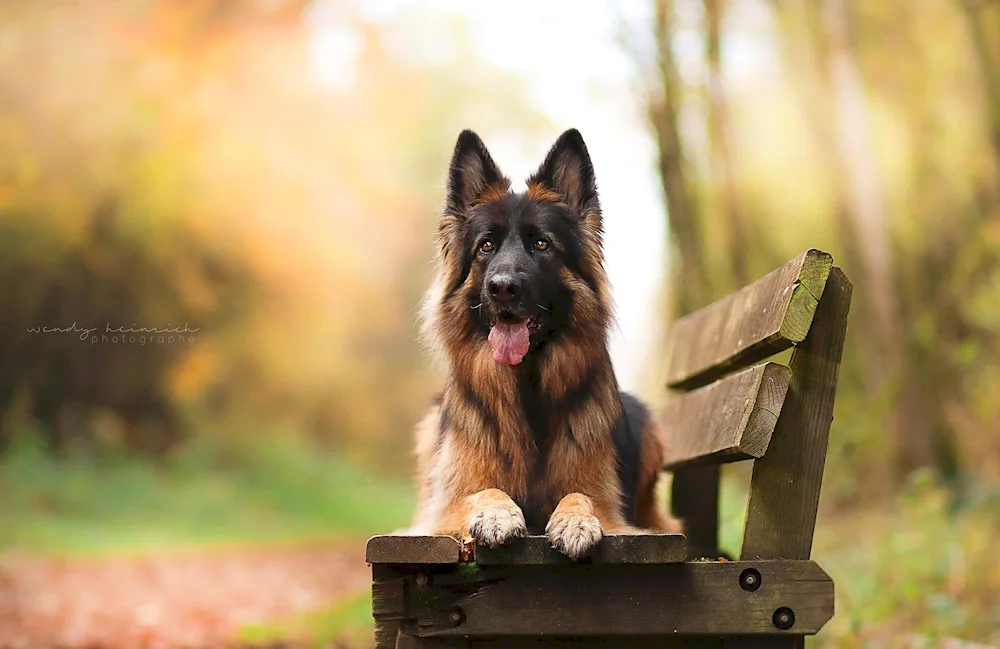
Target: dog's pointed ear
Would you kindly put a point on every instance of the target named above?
(472, 173)
(568, 171)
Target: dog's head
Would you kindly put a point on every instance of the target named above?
(520, 269)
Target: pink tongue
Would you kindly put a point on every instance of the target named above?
(509, 342)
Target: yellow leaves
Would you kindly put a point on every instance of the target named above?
(195, 292)
(218, 140)
(195, 371)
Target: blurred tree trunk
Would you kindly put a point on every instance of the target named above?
(690, 279)
(861, 184)
(806, 54)
(989, 69)
(721, 150)
(920, 438)
(817, 40)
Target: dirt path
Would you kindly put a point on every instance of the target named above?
(167, 601)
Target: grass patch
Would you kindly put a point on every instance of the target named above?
(278, 489)
(914, 572)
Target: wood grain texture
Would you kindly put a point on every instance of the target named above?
(726, 421)
(588, 642)
(613, 549)
(388, 605)
(533, 550)
(785, 488)
(570, 642)
(759, 320)
(390, 548)
(695, 598)
(386, 634)
(413, 642)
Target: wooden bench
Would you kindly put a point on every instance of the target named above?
(726, 405)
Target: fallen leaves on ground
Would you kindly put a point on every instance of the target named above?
(167, 601)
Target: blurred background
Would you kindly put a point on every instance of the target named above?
(216, 224)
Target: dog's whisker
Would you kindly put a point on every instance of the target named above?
(476, 306)
(544, 308)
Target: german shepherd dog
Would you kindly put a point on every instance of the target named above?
(531, 431)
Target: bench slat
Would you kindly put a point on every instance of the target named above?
(786, 483)
(698, 598)
(727, 421)
(401, 549)
(403, 641)
(758, 321)
(613, 549)
(531, 551)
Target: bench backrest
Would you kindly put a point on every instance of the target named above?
(725, 405)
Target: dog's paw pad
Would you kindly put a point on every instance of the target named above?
(574, 535)
(495, 526)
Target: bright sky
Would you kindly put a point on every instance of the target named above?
(588, 82)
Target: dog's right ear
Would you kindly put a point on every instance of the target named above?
(472, 173)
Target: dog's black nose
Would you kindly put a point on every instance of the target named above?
(504, 288)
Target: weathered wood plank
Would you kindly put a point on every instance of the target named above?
(386, 633)
(404, 641)
(785, 488)
(388, 598)
(589, 642)
(759, 320)
(613, 549)
(533, 550)
(726, 421)
(388, 605)
(694, 598)
(400, 549)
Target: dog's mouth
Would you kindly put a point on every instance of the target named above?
(510, 337)
(533, 323)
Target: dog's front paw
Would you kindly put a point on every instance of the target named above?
(574, 533)
(495, 525)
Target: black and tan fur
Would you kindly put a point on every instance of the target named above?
(551, 443)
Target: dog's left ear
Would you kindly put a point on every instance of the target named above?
(471, 173)
(567, 170)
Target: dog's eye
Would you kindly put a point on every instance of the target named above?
(542, 245)
(486, 246)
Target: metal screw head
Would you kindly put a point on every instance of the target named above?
(750, 580)
(422, 580)
(457, 616)
(783, 618)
